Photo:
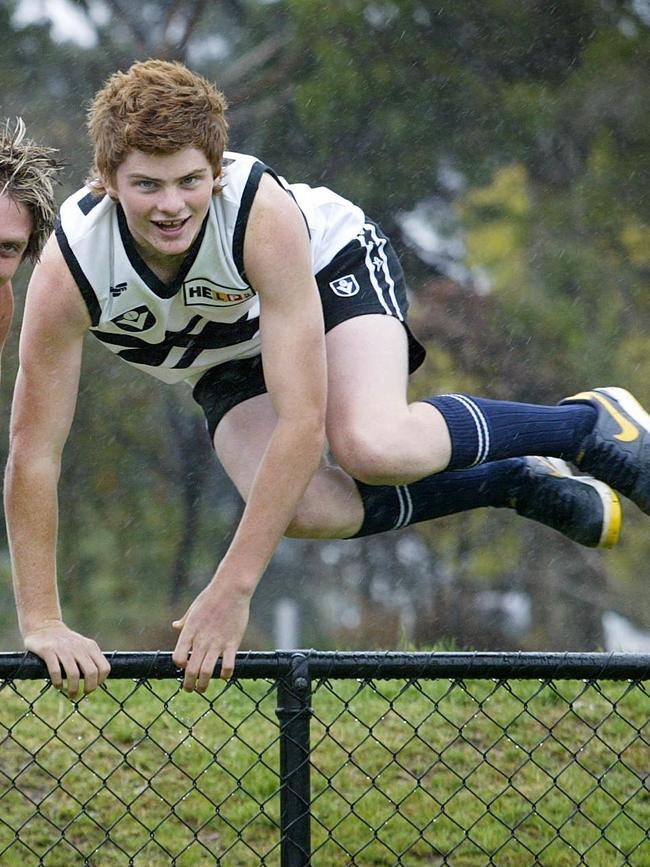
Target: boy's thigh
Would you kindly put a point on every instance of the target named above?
(368, 369)
(241, 438)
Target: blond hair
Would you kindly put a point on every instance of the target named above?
(27, 175)
(156, 106)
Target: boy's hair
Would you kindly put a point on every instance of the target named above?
(27, 175)
(156, 106)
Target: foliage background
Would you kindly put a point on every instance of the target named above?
(506, 149)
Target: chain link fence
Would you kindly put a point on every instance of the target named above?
(463, 759)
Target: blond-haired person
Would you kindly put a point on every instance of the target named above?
(27, 208)
(284, 308)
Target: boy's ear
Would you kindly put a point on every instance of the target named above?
(111, 189)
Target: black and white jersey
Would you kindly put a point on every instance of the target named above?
(210, 313)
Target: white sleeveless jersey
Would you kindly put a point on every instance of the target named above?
(210, 313)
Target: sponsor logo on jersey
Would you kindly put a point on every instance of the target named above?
(117, 290)
(138, 319)
(201, 292)
(345, 287)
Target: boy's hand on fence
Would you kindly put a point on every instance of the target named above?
(69, 657)
(212, 627)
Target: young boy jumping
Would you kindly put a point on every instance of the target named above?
(284, 308)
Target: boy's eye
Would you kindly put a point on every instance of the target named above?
(9, 249)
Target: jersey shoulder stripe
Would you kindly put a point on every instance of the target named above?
(89, 201)
(86, 290)
(250, 189)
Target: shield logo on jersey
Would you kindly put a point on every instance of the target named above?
(345, 287)
(138, 319)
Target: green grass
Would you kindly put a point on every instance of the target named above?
(463, 773)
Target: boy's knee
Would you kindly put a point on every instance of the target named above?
(366, 457)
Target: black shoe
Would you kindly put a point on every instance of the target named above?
(618, 448)
(580, 507)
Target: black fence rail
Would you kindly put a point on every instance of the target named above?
(463, 759)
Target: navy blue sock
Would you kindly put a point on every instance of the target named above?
(389, 508)
(490, 430)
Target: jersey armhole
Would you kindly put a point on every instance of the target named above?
(78, 275)
(247, 198)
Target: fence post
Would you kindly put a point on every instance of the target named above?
(294, 712)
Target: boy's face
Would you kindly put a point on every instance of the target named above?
(165, 198)
(15, 230)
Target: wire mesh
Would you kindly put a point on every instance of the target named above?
(138, 773)
(476, 773)
(406, 763)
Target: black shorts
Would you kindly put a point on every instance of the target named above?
(364, 277)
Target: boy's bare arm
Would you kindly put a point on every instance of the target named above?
(54, 325)
(278, 265)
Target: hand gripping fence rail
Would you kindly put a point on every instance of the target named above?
(305, 757)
